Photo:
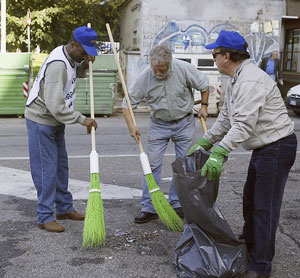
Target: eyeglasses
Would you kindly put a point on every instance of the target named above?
(214, 54)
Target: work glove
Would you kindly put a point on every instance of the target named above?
(202, 144)
(213, 165)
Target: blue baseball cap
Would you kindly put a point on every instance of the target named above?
(229, 39)
(87, 37)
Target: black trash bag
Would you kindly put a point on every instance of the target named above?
(208, 248)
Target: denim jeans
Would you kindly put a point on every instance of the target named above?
(267, 175)
(49, 169)
(181, 132)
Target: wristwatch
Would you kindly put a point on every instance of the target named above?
(204, 103)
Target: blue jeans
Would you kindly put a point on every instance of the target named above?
(181, 132)
(267, 175)
(49, 169)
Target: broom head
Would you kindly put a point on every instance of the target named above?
(94, 233)
(166, 213)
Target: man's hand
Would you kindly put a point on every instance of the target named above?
(91, 58)
(203, 112)
(135, 133)
(280, 81)
(133, 129)
(202, 143)
(213, 166)
(89, 123)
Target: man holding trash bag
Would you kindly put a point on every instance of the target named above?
(255, 116)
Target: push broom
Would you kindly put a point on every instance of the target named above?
(94, 229)
(166, 213)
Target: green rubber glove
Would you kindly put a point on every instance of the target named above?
(213, 165)
(202, 143)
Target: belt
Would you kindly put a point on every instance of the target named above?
(187, 115)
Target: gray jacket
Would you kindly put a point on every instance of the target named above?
(253, 114)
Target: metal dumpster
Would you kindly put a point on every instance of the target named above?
(104, 77)
(14, 82)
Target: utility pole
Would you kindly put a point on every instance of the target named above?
(28, 22)
(3, 26)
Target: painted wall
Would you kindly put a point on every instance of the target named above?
(235, 10)
(195, 22)
(187, 25)
(130, 27)
(293, 7)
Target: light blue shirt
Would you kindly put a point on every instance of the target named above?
(270, 69)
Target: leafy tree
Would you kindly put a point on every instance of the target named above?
(52, 21)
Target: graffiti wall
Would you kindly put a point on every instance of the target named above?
(261, 45)
(187, 36)
(190, 37)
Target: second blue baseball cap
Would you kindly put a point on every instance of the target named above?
(87, 37)
(229, 39)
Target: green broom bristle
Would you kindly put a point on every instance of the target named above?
(94, 229)
(166, 213)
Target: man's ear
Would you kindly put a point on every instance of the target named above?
(227, 56)
(73, 45)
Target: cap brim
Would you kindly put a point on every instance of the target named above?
(90, 50)
(212, 46)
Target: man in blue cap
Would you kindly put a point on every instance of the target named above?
(50, 106)
(255, 116)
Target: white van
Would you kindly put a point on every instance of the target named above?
(205, 63)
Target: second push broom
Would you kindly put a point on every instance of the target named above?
(94, 233)
(166, 213)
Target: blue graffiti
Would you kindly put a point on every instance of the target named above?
(193, 35)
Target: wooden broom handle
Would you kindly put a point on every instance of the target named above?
(123, 82)
(92, 104)
(203, 124)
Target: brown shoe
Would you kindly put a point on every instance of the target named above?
(52, 226)
(73, 215)
(145, 217)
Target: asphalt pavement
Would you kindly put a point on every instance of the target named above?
(131, 250)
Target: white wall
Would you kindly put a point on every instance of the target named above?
(200, 21)
(233, 10)
(131, 21)
(187, 25)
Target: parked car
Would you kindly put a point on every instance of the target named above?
(293, 99)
